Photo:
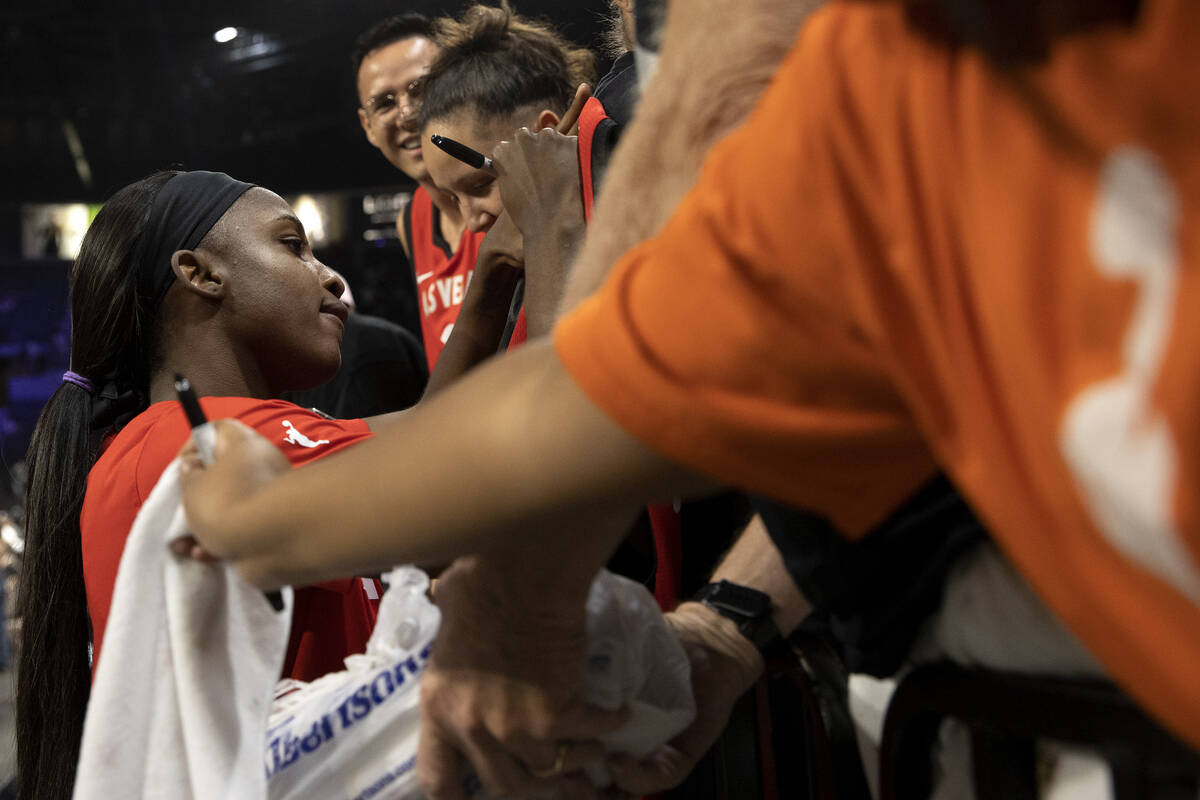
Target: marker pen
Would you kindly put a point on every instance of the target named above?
(472, 158)
(205, 437)
(203, 433)
(514, 311)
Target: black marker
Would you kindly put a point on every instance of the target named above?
(472, 158)
(205, 437)
(514, 311)
(203, 433)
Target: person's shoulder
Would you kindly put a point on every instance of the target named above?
(859, 83)
(149, 430)
(404, 219)
(857, 23)
(618, 90)
(861, 48)
(302, 434)
(140, 451)
(257, 413)
(263, 415)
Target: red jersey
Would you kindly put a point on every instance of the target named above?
(665, 521)
(329, 621)
(442, 275)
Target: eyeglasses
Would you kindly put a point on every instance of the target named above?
(382, 107)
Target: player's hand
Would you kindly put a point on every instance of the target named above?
(538, 175)
(539, 181)
(551, 160)
(724, 666)
(502, 692)
(569, 122)
(502, 248)
(243, 462)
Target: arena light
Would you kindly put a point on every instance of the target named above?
(308, 211)
(55, 230)
(225, 35)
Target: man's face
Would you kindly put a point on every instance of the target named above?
(387, 112)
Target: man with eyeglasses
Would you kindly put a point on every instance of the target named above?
(389, 59)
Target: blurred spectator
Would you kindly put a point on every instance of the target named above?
(383, 369)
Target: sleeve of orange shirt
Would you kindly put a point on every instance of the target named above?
(729, 343)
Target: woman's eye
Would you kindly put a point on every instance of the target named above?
(483, 187)
(297, 245)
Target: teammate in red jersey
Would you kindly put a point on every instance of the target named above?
(200, 274)
(495, 73)
(389, 60)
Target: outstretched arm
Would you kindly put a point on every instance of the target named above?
(541, 484)
(521, 475)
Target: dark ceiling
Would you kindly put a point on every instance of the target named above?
(138, 85)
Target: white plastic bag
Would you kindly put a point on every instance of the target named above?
(352, 735)
(635, 660)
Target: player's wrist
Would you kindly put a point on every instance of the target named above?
(477, 599)
(701, 624)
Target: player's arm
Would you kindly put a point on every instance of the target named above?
(516, 468)
(485, 307)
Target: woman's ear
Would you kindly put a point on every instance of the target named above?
(195, 270)
(547, 119)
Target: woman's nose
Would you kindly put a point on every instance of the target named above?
(331, 281)
(478, 219)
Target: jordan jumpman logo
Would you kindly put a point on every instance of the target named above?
(296, 437)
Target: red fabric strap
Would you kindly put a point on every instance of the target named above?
(589, 119)
(668, 552)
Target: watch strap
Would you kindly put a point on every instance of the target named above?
(748, 608)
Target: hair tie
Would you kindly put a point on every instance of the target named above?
(83, 383)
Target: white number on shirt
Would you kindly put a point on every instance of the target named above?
(1116, 443)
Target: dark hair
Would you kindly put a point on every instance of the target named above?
(494, 63)
(384, 32)
(110, 336)
(1015, 32)
(1018, 34)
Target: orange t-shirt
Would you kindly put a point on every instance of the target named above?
(329, 621)
(896, 264)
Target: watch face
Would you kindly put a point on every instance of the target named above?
(749, 608)
(741, 600)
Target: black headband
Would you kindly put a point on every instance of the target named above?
(185, 209)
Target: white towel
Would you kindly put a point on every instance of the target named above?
(191, 654)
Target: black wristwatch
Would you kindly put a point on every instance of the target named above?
(749, 608)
